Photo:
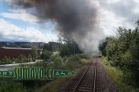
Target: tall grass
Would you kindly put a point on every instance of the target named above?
(13, 87)
(71, 63)
(114, 73)
(54, 85)
(116, 76)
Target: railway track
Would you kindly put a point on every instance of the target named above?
(87, 83)
(90, 78)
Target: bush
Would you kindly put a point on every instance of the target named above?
(72, 62)
(58, 61)
(54, 85)
(41, 64)
(7, 60)
(46, 54)
(13, 87)
(118, 77)
(83, 56)
(83, 62)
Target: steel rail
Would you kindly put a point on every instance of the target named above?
(95, 76)
(81, 78)
(91, 78)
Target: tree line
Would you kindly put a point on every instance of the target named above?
(65, 46)
(122, 51)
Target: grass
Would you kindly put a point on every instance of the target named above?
(114, 73)
(27, 86)
(116, 76)
(54, 85)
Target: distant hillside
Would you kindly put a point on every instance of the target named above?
(26, 44)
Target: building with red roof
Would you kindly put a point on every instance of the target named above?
(15, 52)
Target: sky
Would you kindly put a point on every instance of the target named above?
(20, 25)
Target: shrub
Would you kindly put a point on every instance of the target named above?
(13, 87)
(58, 61)
(83, 56)
(54, 85)
(7, 60)
(118, 77)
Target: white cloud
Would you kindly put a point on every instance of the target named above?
(10, 32)
(115, 13)
(20, 14)
(137, 1)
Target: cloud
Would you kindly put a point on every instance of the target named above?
(10, 32)
(21, 14)
(123, 8)
(115, 13)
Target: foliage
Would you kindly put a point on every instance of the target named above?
(33, 53)
(46, 54)
(117, 77)
(47, 47)
(66, 63)
(21, 58)
(68, 47)
(57, 61)
(5, 80)
(41, 64)
(83, 56)
(7, 60)
(114, 73)
(29, 58)
(123, 51)
(54, 85)
(69, 58)
(13, 87)
(9, 84)
(102, 46)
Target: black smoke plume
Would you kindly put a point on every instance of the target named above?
(72, 18)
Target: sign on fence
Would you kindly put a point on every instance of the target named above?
(35, 73)
(62, 73)
(6, 73)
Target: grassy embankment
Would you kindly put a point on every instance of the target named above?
(54, 85)
(116, 76)
(10, 85)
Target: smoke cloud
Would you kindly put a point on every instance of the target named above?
(72, 18)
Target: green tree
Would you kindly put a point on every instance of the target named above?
(13, 87)
(137, 22)
(133, 63)
(7, 60)
(123, 50)
(29, 58)
(46, 54)
(34, 53)
(102, 47)
(57, 61)
(68, 46)
(47, 47)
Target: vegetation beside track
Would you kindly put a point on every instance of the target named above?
(69, 57)
(117, 76)
(71, 63)
(122, 52)
(54, 85)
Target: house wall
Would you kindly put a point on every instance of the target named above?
(14, 53)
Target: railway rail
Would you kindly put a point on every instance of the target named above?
(92, 77)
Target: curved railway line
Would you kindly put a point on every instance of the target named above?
(92, 77)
